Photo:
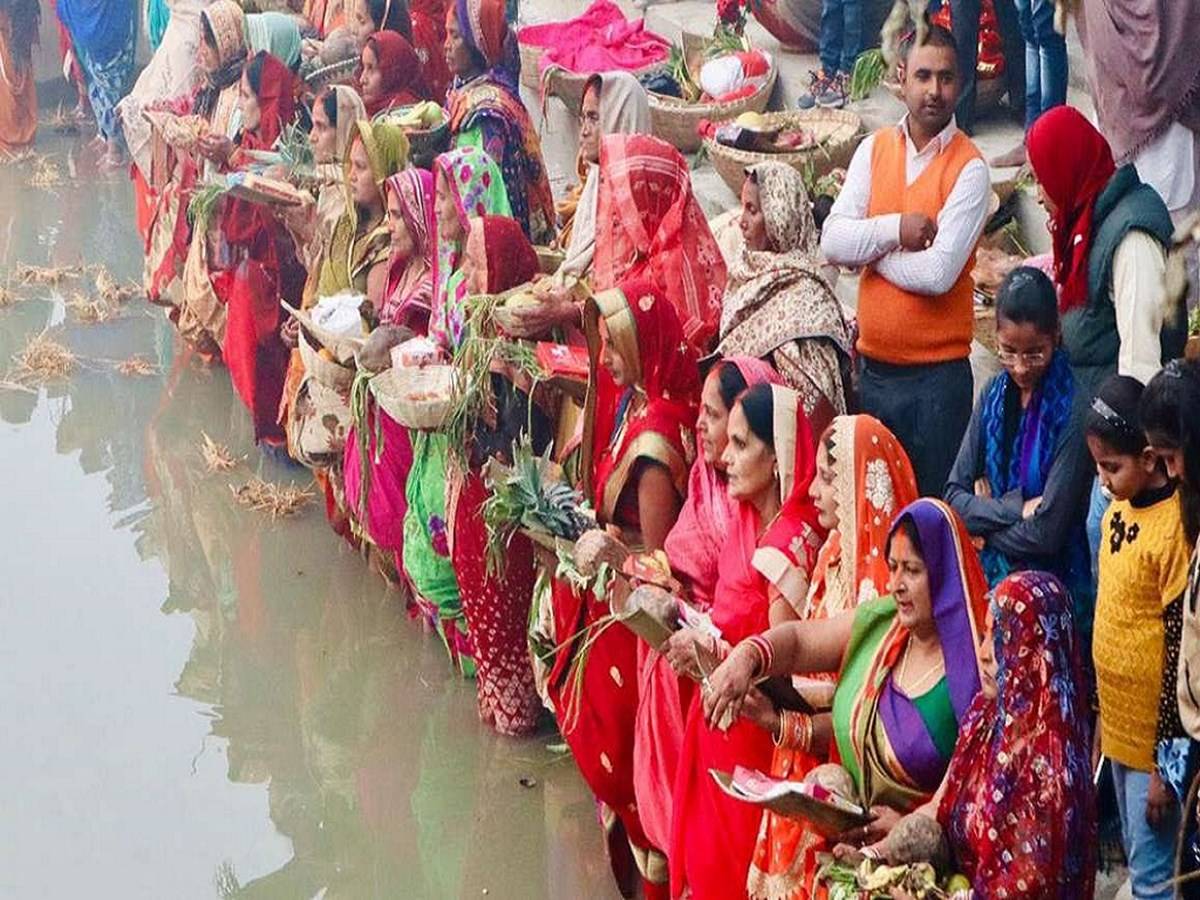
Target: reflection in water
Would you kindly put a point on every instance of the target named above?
(303, 692)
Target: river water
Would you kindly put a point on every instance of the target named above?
(200, 702)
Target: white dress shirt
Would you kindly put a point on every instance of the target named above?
(851, 238)
(1138, 272)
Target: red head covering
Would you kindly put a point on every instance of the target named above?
(484, 26)
(403, 76)
(644, 328)
(694, 544)
(276, 96)
(649, 225)
(508, 259)
(1073, 162)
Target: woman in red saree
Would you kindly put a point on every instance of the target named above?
(863, 479)
(643, 403)
(649, 226)
(262, 264)
(391, 74)
(498, 257)
(764, 569)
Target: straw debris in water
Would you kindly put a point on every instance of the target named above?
(30, 274)
(89, 310)
(111, 290)
(16, 159)
(46, 173)
(63, 121)
(44, 359)
(136, 365)
(8, 297)
(217, 457)
(280, 500)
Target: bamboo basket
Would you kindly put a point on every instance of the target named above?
(342, 72)
(675, 120)
(425, 145)
(549, 259)
(393, 390)
(837, 132)
(332, 375)
(531, 56)
(568, 86)
(342, 346)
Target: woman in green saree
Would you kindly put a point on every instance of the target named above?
(907, 661)
(467, 185)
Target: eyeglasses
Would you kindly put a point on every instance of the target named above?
(1031, 360)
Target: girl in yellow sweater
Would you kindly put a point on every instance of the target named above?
(1143, 568)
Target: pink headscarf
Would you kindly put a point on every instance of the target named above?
(694, 544)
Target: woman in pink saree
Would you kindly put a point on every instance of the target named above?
(693, 548)
(375, 493)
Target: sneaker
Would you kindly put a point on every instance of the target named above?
(835, 93)
(818, 82)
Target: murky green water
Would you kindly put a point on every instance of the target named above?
(199, 702)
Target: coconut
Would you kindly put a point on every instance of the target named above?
(834, 778)
(917, 838)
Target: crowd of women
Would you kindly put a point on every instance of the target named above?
(948, 651)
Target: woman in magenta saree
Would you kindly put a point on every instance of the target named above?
(375, 492)
(767, 559)
(693, 548)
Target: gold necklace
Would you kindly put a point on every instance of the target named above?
(915, 689)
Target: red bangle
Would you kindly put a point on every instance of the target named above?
(766, 653)
(795, 731)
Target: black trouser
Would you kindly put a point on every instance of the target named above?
(964, 19)
(927, 407)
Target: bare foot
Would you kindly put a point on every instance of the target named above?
(1010, 160)
(111, 161)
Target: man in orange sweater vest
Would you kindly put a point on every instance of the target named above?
(912, 208)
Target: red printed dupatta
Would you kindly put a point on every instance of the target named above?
(1019, 810)
(652, 420)
(403, 78)
(649, 226)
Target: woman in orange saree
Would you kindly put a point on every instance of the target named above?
(19, 21)
(863, 479)
(644, 406)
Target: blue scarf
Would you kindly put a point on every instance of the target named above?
(1026, 465)
(99, 28)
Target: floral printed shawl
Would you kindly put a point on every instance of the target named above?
(1019, 809)
(478, 189)
(778, 298)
